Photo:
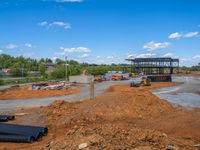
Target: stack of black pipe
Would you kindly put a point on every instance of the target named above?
(21, 133)
(6, 118)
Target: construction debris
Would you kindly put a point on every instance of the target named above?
(40, 90)
(45, 86)
(39, 86)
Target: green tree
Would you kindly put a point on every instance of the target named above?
(57, 73)
(1, 82)
(42, 69)
(59, 61)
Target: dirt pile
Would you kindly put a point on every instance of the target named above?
(121, 118)
(197, 92)
(25, 93)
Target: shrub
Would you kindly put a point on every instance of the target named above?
(1, 82)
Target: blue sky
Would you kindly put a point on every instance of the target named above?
(101, 31)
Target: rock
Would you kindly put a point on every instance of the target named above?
(171, 147)
(197, 145)
(82, 145)
(21, 114)
(164, 135)
(95, 139)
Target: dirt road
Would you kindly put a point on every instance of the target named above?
(121, 118)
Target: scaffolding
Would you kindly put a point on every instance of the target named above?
(153, 66)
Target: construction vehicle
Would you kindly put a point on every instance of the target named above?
(143, 82)
(116, 77)
(120, 76)
(98, 79)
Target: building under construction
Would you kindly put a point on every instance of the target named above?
(154, 67)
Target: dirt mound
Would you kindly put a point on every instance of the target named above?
(25, 93)
(124, 118)
(197, 92)
(109, 136)
(121, 118)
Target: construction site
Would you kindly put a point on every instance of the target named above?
(154, 107)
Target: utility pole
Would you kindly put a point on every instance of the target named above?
(22, 71)
(91, 81)
(66, 75)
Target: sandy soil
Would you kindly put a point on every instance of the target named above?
(25, 93)
(121, 118)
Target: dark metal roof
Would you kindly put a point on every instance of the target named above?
(152, 59)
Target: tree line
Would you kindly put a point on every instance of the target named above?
(28, 67)
(37, 69)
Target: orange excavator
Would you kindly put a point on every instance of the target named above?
(117, 77)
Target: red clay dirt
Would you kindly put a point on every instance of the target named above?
(25, 93)
(197, 92)
(121, 118)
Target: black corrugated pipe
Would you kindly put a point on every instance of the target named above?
(10, 117)
(4, 118)
(16, 138)
(36, 132)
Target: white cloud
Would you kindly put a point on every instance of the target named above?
(184, 59)
(85, 55)
(197, 57)
(76, 50)
(1, 51)
(65, 25)
(100, 61)
(59, 53)
(44, 23)
(175, 35)
(168, 55)
(11, 46)
(60, 24)
(154, 46)
(54, 58)
(28, 45)
(64, 1)
(146, 55)
(28, 54)
(98, 56)
(191, 34)
(110, 57)
(131, 56)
